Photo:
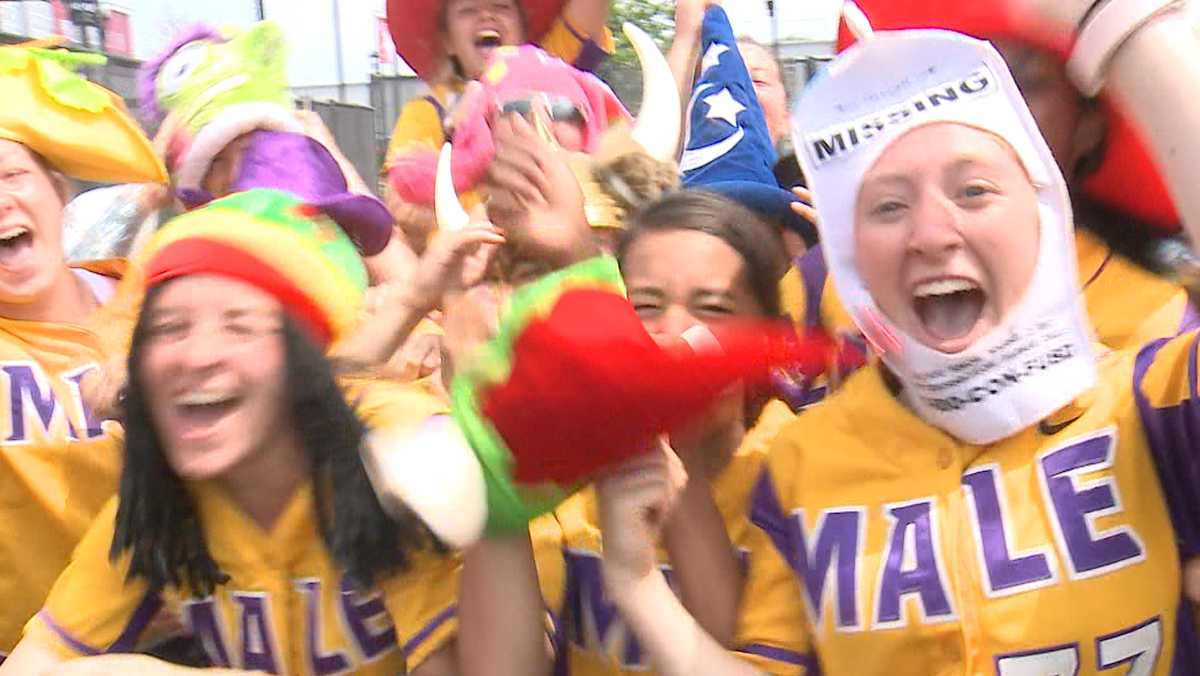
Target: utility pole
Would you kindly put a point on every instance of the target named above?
(337, 45)
(774, 29)
(262, 12)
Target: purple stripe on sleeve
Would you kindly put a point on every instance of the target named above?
(590, 56)
(783, 655)
(72, 642)
(433, 625)
(767, 514)
(813, 273)
(1173, 435)
(1187, 643)
(145, 612)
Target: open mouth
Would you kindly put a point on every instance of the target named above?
(200, 412)
(949, 308)
(13, 243)
(486, 41)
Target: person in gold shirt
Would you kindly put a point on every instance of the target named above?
(58, 464)
(448, 43)
(244, 506)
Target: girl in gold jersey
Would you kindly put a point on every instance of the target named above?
(996, 496)
(244, 510)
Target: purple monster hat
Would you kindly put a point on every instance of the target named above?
(147, 75)
(300, 165)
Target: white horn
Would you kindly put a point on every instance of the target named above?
(659, 120)
(450, 213)
(856, 21)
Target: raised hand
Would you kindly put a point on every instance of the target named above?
(535, 198)
(633, 502)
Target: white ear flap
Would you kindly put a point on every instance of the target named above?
(433, 472)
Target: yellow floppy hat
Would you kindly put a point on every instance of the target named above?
(79, 127)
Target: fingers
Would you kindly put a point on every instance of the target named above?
(805, 211)
(804, 207)
(520, 159)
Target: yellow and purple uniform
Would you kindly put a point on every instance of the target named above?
(286, 608)
(887, 546)
(58, 466)
(593, 639)
(420, 125)
(1127, 305)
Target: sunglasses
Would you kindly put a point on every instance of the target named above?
(560, 109)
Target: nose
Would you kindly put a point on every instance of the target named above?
(7, 202)
(937, 228)
(201, 350)
(674, 320)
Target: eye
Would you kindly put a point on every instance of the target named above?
(647, 309)
(888, 208)
(176, 70)
(167, 330)
(713, 310)
(976, 192)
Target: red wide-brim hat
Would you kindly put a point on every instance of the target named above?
(1128, 179)
(414, 28)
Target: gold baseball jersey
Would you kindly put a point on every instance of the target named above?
(887, 546)
(593, 639)
(287, 608)
(58, 465)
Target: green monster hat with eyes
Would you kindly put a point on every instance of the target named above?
(219, 85)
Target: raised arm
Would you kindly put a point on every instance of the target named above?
(685, 46)
(501, 615)
(1146, 54)
(633, 503)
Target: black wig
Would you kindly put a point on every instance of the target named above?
(156, 519)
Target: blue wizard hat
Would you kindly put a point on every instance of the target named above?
(728, 149)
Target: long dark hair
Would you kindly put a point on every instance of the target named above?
(156, 519)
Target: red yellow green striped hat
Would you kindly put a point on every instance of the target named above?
(275, 242)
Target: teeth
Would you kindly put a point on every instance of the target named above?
(202, 399)
(9, 235)
(943, 287)
(485, 34)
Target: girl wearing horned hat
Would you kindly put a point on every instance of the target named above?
(997, 494)
(449, 42)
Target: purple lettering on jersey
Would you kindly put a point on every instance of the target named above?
(75, 380)
(368, 620)
(911, 522)
(203, 623)
(1005, 573)
(258, 639)
(25, 384)
(1077, 505)
(327, 663)
(837, 536)
(591, 620)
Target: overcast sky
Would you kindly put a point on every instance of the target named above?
(309, 26)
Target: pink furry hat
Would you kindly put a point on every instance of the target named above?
(514, 73)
